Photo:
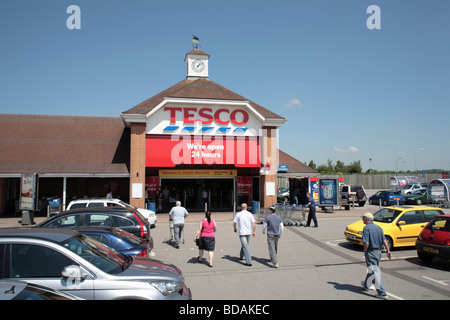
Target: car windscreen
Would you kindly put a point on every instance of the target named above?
(386, 215)
(440, 223)
(106, 259)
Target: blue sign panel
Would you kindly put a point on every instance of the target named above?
(328, 192)
(283, 167)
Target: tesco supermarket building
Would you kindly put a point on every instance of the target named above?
(196, 142)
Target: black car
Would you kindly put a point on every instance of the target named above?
(121, 241)
(129, 220)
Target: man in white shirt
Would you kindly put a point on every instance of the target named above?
(178, 214)
(247, 227)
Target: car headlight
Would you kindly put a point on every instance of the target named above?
(167, 287)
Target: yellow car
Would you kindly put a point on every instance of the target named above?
(401, 224)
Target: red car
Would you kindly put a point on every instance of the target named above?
(434, 240)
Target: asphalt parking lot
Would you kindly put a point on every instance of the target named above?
(315, 263)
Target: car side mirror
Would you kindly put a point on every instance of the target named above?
(401, 223)
(74, 272)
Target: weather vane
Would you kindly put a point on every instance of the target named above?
(196, 40)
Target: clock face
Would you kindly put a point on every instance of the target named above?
(198, 65)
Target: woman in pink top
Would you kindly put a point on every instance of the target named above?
(206, 231)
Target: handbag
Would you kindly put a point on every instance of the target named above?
(198, 241)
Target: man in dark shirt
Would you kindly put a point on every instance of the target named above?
(312, 211)
(373, 241)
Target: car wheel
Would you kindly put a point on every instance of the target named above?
(390, 244)
(384, 203)
(419, 202)
(360, 194)
(361, 203)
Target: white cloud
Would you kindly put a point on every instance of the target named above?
(349, 149)
(293, 103)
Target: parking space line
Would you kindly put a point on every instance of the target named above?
(394, 296)
(335, 244)
(438, 281)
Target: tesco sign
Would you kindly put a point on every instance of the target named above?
(207, 115)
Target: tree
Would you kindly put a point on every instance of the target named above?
(354, 167)
(340, 167)
(312, 165)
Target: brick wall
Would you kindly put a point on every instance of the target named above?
(137, 162)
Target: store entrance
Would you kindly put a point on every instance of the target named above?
(194, 193)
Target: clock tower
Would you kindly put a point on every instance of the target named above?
(196, 64)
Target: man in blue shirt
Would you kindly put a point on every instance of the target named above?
(373, 242)
(177, 214)
(274, 226)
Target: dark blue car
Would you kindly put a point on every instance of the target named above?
(121, 241)
(387, 198)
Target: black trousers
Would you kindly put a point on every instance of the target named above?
(312, 215)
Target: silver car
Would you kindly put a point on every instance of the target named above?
(67, 261)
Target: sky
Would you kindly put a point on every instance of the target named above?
(348, 92)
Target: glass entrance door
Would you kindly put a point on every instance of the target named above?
(194, 193)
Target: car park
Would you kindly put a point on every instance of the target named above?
(21, 290)
(104, 202)
(418, 197)
(68, 261)
(401, 224)
(119, 240)
(434, 240)
(129, 220)
(353, 194)
(386, 197)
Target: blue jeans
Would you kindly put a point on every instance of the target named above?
(177, 230)
(373, 276)
(245, 251)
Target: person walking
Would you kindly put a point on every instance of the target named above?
(312, 211)
(206, 232)
(373, 240)
(247, 227)
(178, 215)
(274, 226)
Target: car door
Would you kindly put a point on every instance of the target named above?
(43, 265)
(377, 197)
(408, 227)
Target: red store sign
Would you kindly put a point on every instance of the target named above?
(170, 150)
